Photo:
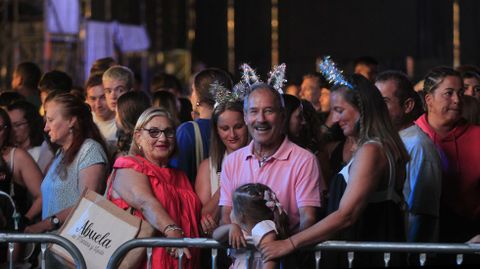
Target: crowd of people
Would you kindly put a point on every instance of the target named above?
(361, 157)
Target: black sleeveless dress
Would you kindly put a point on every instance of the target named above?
(383, 220)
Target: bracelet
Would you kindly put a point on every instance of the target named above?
(172, 227)
(291, 242)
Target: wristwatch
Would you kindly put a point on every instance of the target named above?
(55, 222)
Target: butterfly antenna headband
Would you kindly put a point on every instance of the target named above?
(332, 73)
(277, 77)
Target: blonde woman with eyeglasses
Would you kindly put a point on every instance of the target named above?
(161, 195)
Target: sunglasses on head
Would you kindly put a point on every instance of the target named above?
(155, 132)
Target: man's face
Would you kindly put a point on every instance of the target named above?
(264, 118)
(471, 87)
(98, 102)
(366, 70)
(395, 109)
(113, 90)
(310, 91)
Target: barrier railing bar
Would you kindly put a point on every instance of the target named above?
(46, 238)
(398, 247)
(351, 247)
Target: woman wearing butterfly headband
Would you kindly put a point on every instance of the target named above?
(229, 133)
(365, 201)
(161, 195)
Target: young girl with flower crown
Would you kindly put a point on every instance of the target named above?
(257, 217)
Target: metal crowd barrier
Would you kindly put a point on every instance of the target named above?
(349, 247)
(43, 239)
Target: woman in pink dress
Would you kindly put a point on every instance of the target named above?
(161, 195)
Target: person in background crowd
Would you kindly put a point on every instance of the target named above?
(195, 134)
(301, 126)
(103, 117)
(471, 109)
(366, 66)
(311, 89)
(117, 80)
(423, 182)
(169, 102)
(292, 89)
(166, 82)
(26, 177)
(25, 81)
(471, 84)
(459, 142)
(471, 80)
(27, 127)
(358, 205)
(101, 65)
(161, 195)
(53, 81)
(130, 106)
(9, 97)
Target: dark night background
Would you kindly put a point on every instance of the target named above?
(345, 29)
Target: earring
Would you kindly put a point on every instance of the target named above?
(139, 147)
(70, 130)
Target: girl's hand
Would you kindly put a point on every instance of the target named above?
(275, 249)
(208, 225)
(475, 239)
(174, 251)
(235, 237)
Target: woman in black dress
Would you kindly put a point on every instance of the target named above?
(365, 199)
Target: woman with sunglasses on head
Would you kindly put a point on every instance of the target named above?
(365, 198)
(161, 195)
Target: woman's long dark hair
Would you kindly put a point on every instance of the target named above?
(7, 125)
(374, 123)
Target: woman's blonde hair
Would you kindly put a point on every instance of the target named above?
(145, 118)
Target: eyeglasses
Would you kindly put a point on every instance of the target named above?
(18, 124)
(155, 132)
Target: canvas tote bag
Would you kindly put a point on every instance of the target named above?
(98, 227)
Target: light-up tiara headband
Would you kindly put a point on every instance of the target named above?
(276, 80)
(332, 73)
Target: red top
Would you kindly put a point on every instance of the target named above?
(173, 190)
(461, 178)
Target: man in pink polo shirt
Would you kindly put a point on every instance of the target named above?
(271, 159)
